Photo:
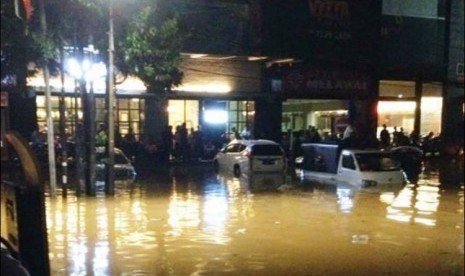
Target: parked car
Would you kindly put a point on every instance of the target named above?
(123, 168)
(251, 156)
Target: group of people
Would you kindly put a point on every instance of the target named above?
(399, 138)
(182, 144)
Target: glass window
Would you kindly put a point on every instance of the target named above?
(134, 115)
(130, 115)
(241, 116)
(267, 150)
(397, 89)
(70, 112)
(232, 148)
(134, 103)
(180, 111)
(414, 8)
(376, 162)
(348, 162)
(130, 112)
(123, 103)
(401, 113)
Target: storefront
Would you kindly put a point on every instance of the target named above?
(327, 97)
(217, 94)
(396, 108)
(398, 102)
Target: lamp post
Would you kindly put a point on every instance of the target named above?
(109, 183)
(86, 71)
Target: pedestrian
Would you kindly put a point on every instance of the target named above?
(130, 144)
(197, 144)
(130, 137)
(234, 134)
(385, 137)
(245, 134)
(167, 141)
(101, 138)
(395, 137)
(184, 142)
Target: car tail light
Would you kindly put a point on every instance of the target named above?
(249, 156)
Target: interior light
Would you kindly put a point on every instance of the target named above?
(396, 106)
(215, 116)
(220, 88)
(73, 68)
(197, 55)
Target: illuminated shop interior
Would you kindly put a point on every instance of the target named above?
(396, 107)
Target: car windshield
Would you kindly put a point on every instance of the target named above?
(376, 162)
(267, 150)
(120, 159)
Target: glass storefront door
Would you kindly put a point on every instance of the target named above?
(183, 111)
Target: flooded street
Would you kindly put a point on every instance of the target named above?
(192, 221)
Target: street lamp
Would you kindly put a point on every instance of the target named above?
(86, 72)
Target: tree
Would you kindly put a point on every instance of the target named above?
(152, 49)
(17, 47)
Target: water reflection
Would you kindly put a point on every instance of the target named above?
(415, 203)
(188, 222)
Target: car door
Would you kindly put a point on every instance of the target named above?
(227, 156)
(347, 172)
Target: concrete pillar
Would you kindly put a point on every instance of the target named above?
(156, 117)
(268, 119)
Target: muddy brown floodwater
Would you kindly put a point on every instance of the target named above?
(196, 222)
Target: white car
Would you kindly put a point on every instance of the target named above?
(251, 156)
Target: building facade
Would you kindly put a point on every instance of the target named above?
(307, 63)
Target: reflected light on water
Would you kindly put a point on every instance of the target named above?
(184, 212)
(215, 214)
(223, 225)
(345, 199)
(415, 204)
(387, 197)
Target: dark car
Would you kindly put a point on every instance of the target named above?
(123, 168)
(410, 159)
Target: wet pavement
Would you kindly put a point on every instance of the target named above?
(192, 221)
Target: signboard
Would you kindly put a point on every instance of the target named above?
(330, 83)
(332, 29)
(11, 216)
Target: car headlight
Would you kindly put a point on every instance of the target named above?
(369, 183)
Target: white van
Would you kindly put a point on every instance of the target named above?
(327, 163)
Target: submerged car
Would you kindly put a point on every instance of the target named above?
(123, 168)
(330, 163)
(251, 156)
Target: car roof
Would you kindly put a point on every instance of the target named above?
(366, 150)
(250, 142)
